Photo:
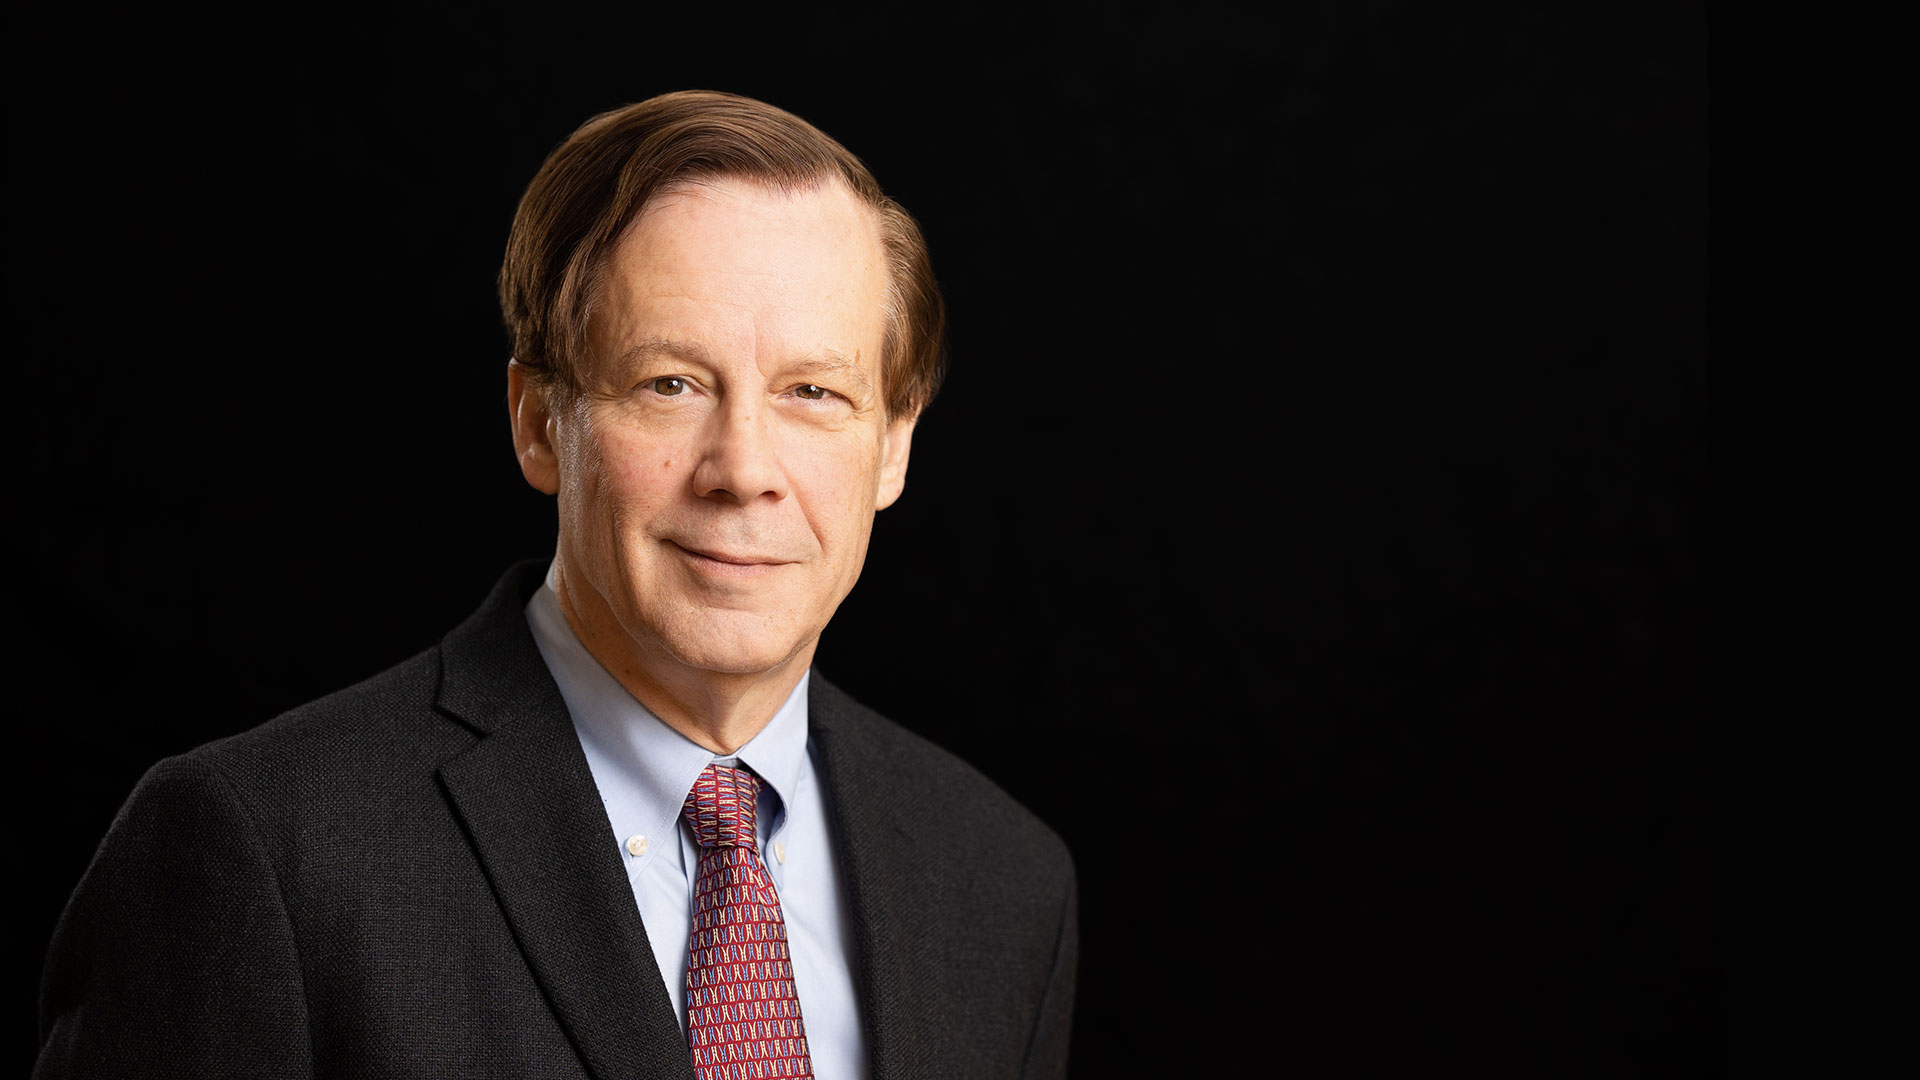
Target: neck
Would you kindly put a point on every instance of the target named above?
(719, 710)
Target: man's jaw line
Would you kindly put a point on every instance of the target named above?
(719, 709)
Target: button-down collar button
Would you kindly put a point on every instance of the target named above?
(636, 845)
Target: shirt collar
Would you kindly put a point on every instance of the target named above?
(655, 764)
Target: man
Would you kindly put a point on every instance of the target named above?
(613, 825)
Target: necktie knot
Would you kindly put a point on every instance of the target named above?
(723, 807)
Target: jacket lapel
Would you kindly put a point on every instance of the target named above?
(533, 814)
(892, 889)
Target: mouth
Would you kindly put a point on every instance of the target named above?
(726, 561)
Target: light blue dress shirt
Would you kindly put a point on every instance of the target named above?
(644, 770)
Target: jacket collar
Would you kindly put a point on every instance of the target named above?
(534, 818)
(895, 886)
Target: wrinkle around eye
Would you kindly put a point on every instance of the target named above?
(829, 397)
(651, 388)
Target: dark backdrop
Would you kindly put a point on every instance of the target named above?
(1310, 531)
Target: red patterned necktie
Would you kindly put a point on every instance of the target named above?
(743, 1014)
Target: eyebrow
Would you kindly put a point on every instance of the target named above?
(829, 362)
(823, 362)
(683, 350)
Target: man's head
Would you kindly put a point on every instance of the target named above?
(729, 334)
(598, 180)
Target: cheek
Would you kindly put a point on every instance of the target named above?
(840, 480)
(614, 481)
(638, 476)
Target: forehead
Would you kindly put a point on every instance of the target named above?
(741, 268)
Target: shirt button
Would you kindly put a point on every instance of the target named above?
(636, 845)
(780, 852)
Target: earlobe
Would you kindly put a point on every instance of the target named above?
(895, 447)
(532, 429)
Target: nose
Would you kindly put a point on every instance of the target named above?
(738, 459)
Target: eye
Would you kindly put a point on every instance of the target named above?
(811, 392)
(669, 386)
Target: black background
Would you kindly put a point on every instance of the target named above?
(1310, 530)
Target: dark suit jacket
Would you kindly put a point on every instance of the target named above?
(412, 877)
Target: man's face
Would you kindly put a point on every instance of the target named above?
(719, 473)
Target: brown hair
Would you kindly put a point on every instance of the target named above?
(597, 181)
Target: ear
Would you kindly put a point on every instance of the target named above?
(894, 447)
(532, 429)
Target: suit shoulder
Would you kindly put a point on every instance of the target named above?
(344, 745)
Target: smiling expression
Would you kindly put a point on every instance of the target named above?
(719, 471)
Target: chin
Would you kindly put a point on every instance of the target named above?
(729, 650)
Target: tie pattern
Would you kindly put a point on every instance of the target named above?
(743, 1014)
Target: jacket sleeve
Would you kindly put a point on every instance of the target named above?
(1047, 1052)
(175, 956)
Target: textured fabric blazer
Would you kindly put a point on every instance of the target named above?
(412, 877)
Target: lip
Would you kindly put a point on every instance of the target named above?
(725, 560)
